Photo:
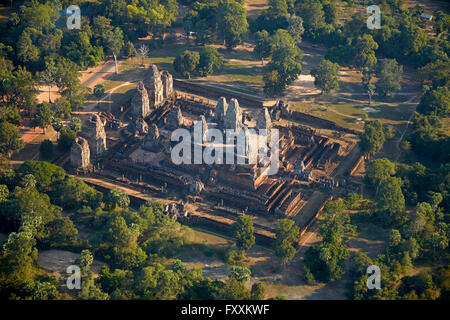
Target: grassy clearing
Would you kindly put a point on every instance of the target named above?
(255, 7)
(326, 112)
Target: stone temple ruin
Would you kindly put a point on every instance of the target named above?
(94, 132)
(159, 86)
(80, 154)
(307, 158)
(140, 105)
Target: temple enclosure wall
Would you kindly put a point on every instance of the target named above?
(216, 93)
(296, 115)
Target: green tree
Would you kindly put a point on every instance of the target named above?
(27, 52)
(435, 102)
(389, 75)
(130, 50)
(365, 59)
(18, 90)
(390, 199)
(18, 256)
(378, 170)
(243, 232)
(66, 137)
(186, 63)
(326, 76)
(48, 76)
(331, 12)
(114, 44)
(372, 139)
(115, 199)
(44, 115)
(313, 17)
(10, 139)
(85, 260)
(210, 59)
(4, 193)
(258, 291)
(295, 27)
(233, 290)
(75, 124)
(89, 291)
(232, 19)
(62, 109)
(278, 8)
(286, 61)
(46, 174)
(242, 274)
(263, 46)
(287, 234)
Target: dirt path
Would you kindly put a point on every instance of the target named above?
(88, 108)
(397, 144)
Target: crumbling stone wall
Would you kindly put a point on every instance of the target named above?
(174, 118)
(140, 104)
(94, 132)
(167, 82)
(80, 153)
(233, 116)
(155, 87)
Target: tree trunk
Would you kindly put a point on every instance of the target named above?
(370, 98)
(49, 93)
(115, 63)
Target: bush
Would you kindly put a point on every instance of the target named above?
(309, 277)
(66, 138)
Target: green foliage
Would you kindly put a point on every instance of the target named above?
(232, 19)
(285, 65)
(89, 291)
(35, 290)
(186, 63)
(62, 108)
(242, 274)
(114, 199)
(295, 27)
(66, 137)
(4, 193)
(427, 137)
(10, 139)
(389, 75)
(233, 290)
(390, 199)
(209, 61)
(258, 291)
(18, 257)
(326, 76)
(243, 232)
(85, 260)
(287, 234)
(365, 59)
(326, 260)
(72, 193)
(46, 174)
(43, 116)
(372, 139)
(378, 170)
(435, 102)
(263, 44)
